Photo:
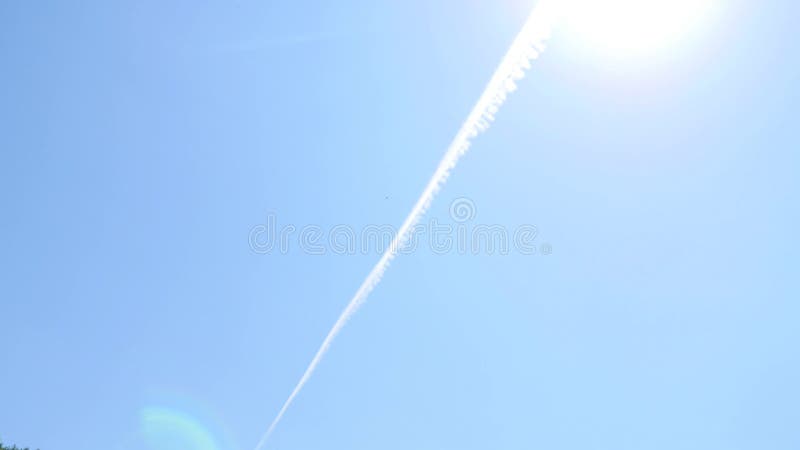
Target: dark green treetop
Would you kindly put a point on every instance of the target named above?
(13, 447)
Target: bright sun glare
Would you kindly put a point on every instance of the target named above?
(623, 28)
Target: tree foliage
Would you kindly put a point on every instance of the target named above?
(13, 447)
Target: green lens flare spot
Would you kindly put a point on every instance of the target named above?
(168, 429)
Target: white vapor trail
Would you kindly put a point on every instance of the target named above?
(526, 47)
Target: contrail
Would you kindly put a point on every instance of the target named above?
(526, 47)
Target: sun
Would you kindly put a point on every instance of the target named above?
(626, 28)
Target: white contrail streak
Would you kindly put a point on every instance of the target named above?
(526, 47)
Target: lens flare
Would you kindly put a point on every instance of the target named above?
(168, 429)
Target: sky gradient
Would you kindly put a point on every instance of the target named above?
(142, 142)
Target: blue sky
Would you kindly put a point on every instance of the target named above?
(141, 142)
